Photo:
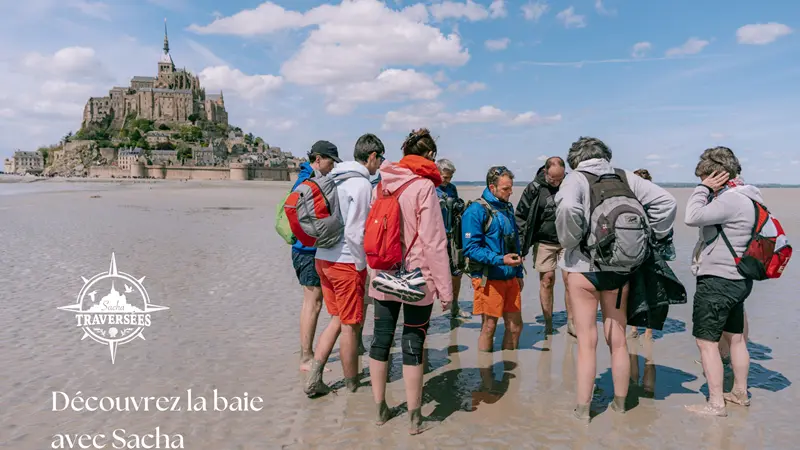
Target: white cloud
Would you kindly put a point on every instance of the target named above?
(65, 63)
(542, 158)
(498, 9)
(266, 18)
(98, 10)
(652, 157)
(434, 114)
(468, 10)
(692, 46)
(390, 85)
(534, 11)
(762, 33)
(465, 86)
(497, 44)
(675, 166)
(245, 86)
(55, 89)
(570, 19)
(602, 10)
(7, 113)
(640, 49)
(358, 45)
(795, 162)
(532, 118)
(440, 77)
(717, 136)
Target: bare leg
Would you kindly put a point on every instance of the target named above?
(547, 280)
(309, 315)
(348, 351)
(314, 384)
(614, 323)
(740, 360)
(570, 322)
(412, 378)
(455, 309)
(584, 300)
(486, 339)
(712, 367)
(513, 323)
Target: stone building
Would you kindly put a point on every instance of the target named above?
(127, 157)
(170, 97)
(24, 162)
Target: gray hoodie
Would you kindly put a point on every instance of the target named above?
(572, 212)
(734, 210)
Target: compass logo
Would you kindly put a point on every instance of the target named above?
(109, 316)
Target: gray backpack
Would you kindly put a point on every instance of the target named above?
(313, 211)
(619, 232)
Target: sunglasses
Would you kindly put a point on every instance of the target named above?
(500, 170)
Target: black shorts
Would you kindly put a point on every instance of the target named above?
(304, 267)
(607, 281)
(719, 306)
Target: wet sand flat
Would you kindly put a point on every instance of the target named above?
(209, 252)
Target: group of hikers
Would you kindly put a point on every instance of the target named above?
(397, 235)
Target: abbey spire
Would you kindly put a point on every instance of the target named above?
(166, 38)
(165, 63)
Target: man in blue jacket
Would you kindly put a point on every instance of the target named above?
(491, 248)
(321, 159)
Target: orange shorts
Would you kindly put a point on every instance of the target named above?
(343, 290)
(497, 297)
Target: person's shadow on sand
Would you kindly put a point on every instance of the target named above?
(670, 382)
(464, 390)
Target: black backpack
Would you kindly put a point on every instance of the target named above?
(467, 265)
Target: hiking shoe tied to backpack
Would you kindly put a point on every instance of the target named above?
(403, 285)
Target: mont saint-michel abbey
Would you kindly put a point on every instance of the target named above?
(170, 97)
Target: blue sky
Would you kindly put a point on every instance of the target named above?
(500, 82)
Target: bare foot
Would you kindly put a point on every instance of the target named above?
(707, 409)
(306, 366)
(384, 413)
(737, 397)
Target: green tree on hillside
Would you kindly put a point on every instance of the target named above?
(184, 152)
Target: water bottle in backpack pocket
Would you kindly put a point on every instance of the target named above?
(619, 232)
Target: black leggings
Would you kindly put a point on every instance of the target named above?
(417, 318)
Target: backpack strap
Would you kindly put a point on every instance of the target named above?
(721, 233)
(396, 194)
(490, 213)
(757, 226)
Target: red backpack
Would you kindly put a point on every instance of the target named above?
(768, 251)
(382, 232)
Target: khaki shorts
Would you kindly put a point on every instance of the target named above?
(547, 256)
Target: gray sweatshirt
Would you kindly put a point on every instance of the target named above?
(734, 210)
(572, 212)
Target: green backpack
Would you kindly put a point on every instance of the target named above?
(282, 222)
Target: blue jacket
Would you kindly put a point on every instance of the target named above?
(489, 249)
(306, 172)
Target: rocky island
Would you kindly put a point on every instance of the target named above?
(165, 126)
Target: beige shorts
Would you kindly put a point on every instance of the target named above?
(547, 255)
